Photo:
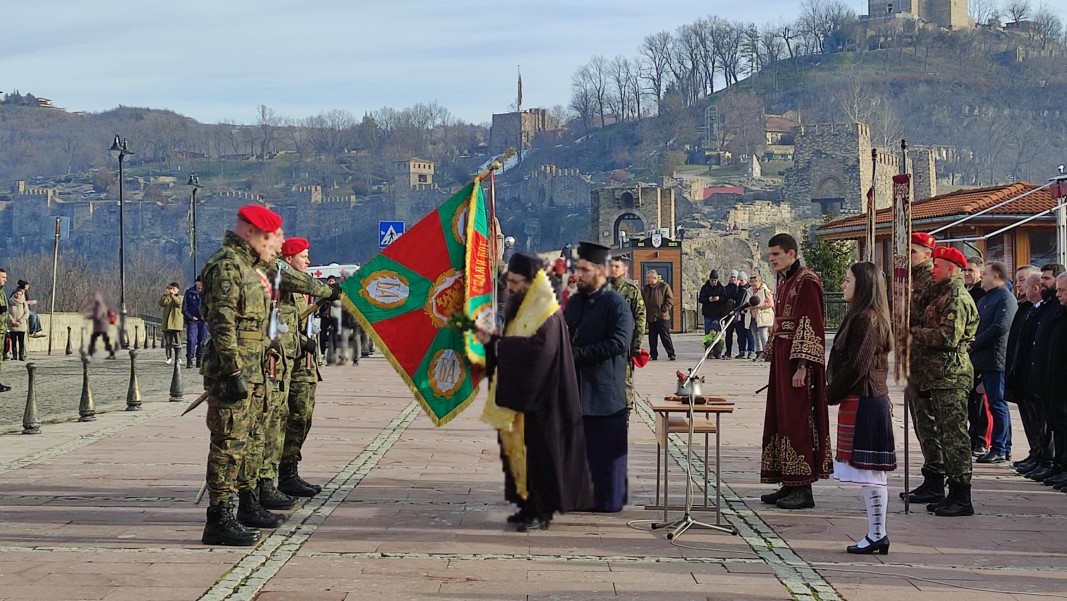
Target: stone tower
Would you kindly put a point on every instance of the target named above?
(950, 14)
(631, 209)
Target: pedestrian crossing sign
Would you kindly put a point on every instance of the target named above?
(388, 232)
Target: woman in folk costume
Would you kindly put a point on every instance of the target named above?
(857, 373)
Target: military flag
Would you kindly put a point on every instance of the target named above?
(902, 272)
(479, 305)
(407, 295)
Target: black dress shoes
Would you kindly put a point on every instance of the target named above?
(880, 546)
(992, 458)
(535, 524)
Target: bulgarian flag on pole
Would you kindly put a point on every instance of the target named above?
(406, 296)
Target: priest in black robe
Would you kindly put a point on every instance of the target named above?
(601, 327)
(534, 401)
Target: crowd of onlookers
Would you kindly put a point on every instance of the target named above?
(22, 322)
(1019, 350)
(751, 326)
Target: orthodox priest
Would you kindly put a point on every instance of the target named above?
(534, 401)
(601, 327)
(796, 429)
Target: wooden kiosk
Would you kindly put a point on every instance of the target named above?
(657, 251)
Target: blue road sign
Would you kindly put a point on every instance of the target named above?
(388, 232)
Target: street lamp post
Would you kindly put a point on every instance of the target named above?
(120, 151)
(194, 182)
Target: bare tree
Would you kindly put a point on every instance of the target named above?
(583, 98)
(743, 131)
(656, 50)
(982, 10)
(598, 83)
(1018, 10)
(1049, 26)
(268, 121)
(330, 132)
(619, 74)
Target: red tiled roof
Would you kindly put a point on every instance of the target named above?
(778, 124)
(710, 191)
(960, 203)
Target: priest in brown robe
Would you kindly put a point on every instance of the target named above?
(534, 401)
(796, 428)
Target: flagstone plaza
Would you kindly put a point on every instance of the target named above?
(104, 510)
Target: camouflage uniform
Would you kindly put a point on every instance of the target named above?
(922, 284)
(235, 307)
(632, 294)
(946, 328)
(294, 284)
(302, 389)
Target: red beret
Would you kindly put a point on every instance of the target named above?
(952, 255)
(294, 246)
(261, 217)
(924, 239)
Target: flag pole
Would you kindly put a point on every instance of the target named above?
(872, 207)
(494, 256)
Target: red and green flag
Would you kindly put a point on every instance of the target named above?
(406, 295)
(479, 305)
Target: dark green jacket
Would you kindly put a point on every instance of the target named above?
(3, 315)
(947, 327)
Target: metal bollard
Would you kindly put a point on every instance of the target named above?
(176, 390)
(69, 350)
(133, 393)
(136, 337)
(86, 408)
(30, 422)
(153, 336)
(145, 344)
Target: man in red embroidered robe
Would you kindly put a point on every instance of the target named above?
(796, 429)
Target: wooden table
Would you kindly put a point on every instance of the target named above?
(666, 425)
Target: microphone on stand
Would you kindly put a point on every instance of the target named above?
(752, 302)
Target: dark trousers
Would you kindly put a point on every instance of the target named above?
(18, 345)
(979, 419)
(1038, 435)
(730, 331)
(745, 341)
(195, 338)
(107, 342)
(1058, 409)
(171, 339)
(657, 330)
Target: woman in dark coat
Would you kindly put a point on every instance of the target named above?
(857, 373)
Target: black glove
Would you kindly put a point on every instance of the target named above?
(336, 294)
(236, 388)
(3, 308)
(310, 346)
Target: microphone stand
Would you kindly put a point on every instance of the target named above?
(679, 526)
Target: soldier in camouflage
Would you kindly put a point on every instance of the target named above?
(947, 327)
(302, 356)
(618, 268)
(287, 351)
(932, 488)
(235, 307)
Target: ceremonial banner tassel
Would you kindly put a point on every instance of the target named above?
(406, 296)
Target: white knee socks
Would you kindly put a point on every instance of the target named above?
(876, 498)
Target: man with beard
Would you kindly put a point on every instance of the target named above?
(1033, 371)
(601, 326)
(796, 426)
(534, 401)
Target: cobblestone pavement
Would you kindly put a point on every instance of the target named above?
(58, 383)
(104, 510)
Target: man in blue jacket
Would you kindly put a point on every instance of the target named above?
(996, 310)
(195, 328)
(601, 326)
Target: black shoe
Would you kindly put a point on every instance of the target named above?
(4, 388)
(518, 517)
(198, 362)
(932, 490)
(272, 498)
(1040, 474)
(992, 457)
(799, 497)
(1029, 469)
(672, 358)
(1027, 461)
(740, 356)
(772, 498)
(223, 529)
(1056, 480)
(653, 358)
(957, 503)
(978, 451)
(111, 357)
(251, 513)
(726, 357)
(535, 524)
(290, 482)
(188, 363)
(880, 546)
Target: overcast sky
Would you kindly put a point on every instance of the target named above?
(216, 60)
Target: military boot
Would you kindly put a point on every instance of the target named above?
(272, 498)
(223, 529)
(799, 497)
(957, 503)
(772, 498)
(251, 513)
(932, 490)
(290, 482)
(188, 363)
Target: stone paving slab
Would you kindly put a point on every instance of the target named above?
(103, 510)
